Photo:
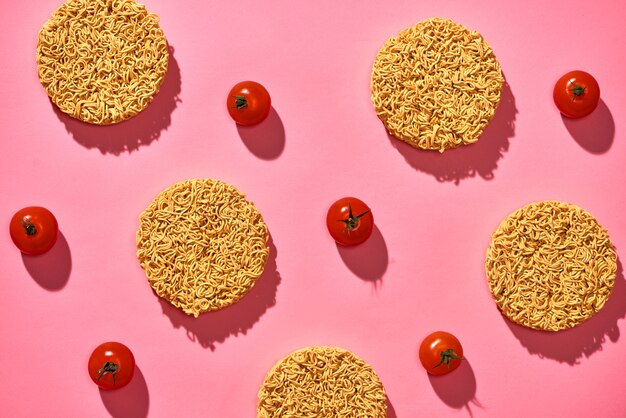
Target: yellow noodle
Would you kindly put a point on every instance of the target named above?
(322, 382)
(202, 245)
(102, 61)
(550, 265)
(436, 85)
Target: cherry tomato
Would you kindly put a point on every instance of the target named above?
(111, 365)
(248, 103)
(349, 221)
(440, 353)
(576, 94)
(34, 230)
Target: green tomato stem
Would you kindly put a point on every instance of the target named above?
(109, 367)
(240, 102)
(448, 355)
(353, 221)
(29, 227)
(577, 90)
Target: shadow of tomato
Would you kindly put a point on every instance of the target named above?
(368, 260)
(595, 132)
(131, 401)
(52, 269)
(265, 140)
(457, 389)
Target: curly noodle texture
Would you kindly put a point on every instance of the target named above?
(436, 85)
(322, 382)
(550, 266)
(202, 245)
(102, 61)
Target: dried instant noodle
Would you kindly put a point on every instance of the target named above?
(322, 382)
(436, 85)
(202, 245)
(550, 266)
(102, 61)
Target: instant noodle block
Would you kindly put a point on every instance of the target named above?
(102, 61)
(202, 245)
(550, 266)
(436, 85)
(322, 382)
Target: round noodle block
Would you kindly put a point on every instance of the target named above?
(436, 85)
(550, 266)
(102, 61)
(202, 245)
(322, 382)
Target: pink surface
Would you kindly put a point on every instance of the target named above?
(422, 270)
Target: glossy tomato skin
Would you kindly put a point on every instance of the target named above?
(434, 350)
(338, 217)
(248, 103)
(576, 94)
(34, 230)
(111, 365)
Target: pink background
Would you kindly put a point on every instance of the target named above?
(421, 271)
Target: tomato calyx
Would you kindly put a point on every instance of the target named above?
(353, 221)
(109, 367)
(240, 102)
(577, 90)
(29, 227)
(446, 356)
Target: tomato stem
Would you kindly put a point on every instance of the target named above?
(29, 227)
(577, 90)
(240, 102)
(448, 355)
(353, 221)
(109, 367)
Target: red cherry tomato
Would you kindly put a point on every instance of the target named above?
(349, 221)
(440, 353)
(576, 94)
(34, 230)
(111, 365)
(248, 103)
